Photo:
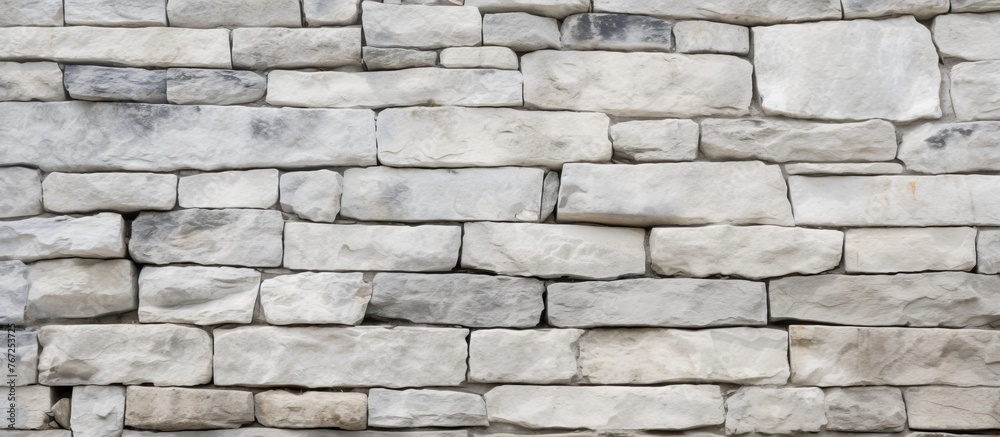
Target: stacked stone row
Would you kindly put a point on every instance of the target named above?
(259, 216)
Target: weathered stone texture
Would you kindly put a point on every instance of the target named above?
(234, 13)
(548, 8)
(242, 237)
(97, 236)
(382, 58)
(311, 195)
(311, 409)
(31, 13)
(479, 57)
(967, 36)
(266, 48)
(31, 81)
(195, 86)
(313, 246)
(951, 147)
(119, 192)
(81, 288)
(972, 90)
(865, 409)
(847, 168)
(751, 12)
(20, 192)
(947, 408)
(197, 295)
(521, 32)
(31, 409)
(783, 141)
(94, 83)
(922, 9)
(330, 12)
(775, 410)
(974, 5)
(25, 356)
(887, 250)
(174, 409)
(14, 288)
(98, 411)
(546, 356)
(425, 27)
(126, 13)
(655, 140)
(419, 408)
(315, 298)
(616, 32)
(256, 431)
(711, 37)
(231, 189)
(988, 251)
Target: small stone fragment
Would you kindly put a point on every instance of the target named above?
(242, 237)
(891, 250)
(194, 86)
(330, 12)
(31, 13)
(175, 409)
(543, 356)
(616, 32)
(420, 408)
(314, 246)
(61, 412)
(550, 195)
(967, 36)
(949, 408)
(197, 295)
(729, 11)
(20, 192)
(231, 189)
(119, 192)
(266, 48)
(81, 288)
(973, 90)
(655, 140)
(775, 410)
(988, 251)
(312, 195)
(867, 168)
(711, 37)
(234, 13)
(315, 298)
(126, 13)
(379, 58)
(312, 409)
(521, 32)
(95, 83)
(31, 81)
(479, 57)
(14, 288)
(422, 27)
(865, 409)
(98, 411)
(97, 236)
(783, 141)
(32, 409)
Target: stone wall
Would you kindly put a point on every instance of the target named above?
(424, 218)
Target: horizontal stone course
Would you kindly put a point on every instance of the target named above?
(891, 250)
(783, 141)
(428, 248)
(119, 192)
(174, 409)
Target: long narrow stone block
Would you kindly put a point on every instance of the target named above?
(533, 356)
(419, 408)
(234, 13)
(256, 431)
(120, 192)
(173, 408)
(20, 192)
(315, 298)
(845, 168)
(655, 140)
(314, 246)
(682, 194)
(845, 356)
(32, 13)
(25, 357)
(31, 81)
(200, 86)
(267, 48)
(711, 37)
(124, 354)
(548, 8)
(783, 141)
(134, 13)
(730, 11)
(424, 27)
(98, 411)
(96, 83)
(81, 288)
(330, 12)
(365, 356)
(520, 31)
(967, 36)
(972, 85)
(312, 409)
(96, 236)
(243, 237)
(229, 189)
(953, 408)
(617, 32)
(892, 250)
(83, 137)
(974, 5)
(951, 147)
(197, 295)
(14, 289)
(768, 410)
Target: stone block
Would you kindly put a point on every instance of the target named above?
(330, 12)
(234, 13)
(119, 192)
(973, 86)
(230, 189)
(655, 140)
(266, 48)
(14, 288)
(921, 9)
(175, 409)
(31, 409)
(315, 298)
(953, 408)
(616, 32)
(31, 81)
(96, 236)
(77, 288)
(775, 410)
(32, 13)
(311, 409)
(20, 192)
(197, 295)
(128, 13)
(422, 27)
(239, 237)
(847, 168)
(729, 11)
(967, 36)
(195, 86)
(314, 246)
(891, 250)
(548, 8)
(865, 409)
(311, 195)
(951, 147)
(420, 408)
(783, 141)
(388, 58)
(988, 251)
(544, 356)
(95, 83)
(711, 37)
(521, 32)
(479, 57)
(98, 411)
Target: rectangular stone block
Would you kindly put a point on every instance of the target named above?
(865, 409)
(847, 168)
(974, 5)
(972, 85)
(988, 251)
(234, 13)
(267, 48)
(312, 409)
(891, 250)
(229, 189)
(330, 12)
(119, 192)
(96, 83)
(256, 431)
(173, 409)
(845, 356)
(85, 137)
(366, 356)
(730, 11)
(424, 27)
(951, 147)
(314, 246)
(922, 9)
(631, 33)
(387, 58)
(197, 295)
(533, 356)
(134, 13)
(20, 192)
(98, 411)
(81, 288)
(655, 140)
(201, 86)
(770, 410)
(711, 37)
(315, 298)
(32, 13)
(674, 194)
(242, 237)
(25, 355)
(31, 81)
(96, 236)
(967, 36)
(14, 287)
(520, 31)
(548, 8)
(418, 408)
(953, 408)
(30, 409)
(783, 141)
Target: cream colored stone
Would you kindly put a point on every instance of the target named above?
(96, 236)
(479, 57)
(424, 27)
(230, 189)
(98, 411)
(81, 288)
(951, 147)
(175, 409)
(953, 408)
(31, 81)
(655, 140)
(546, 356)
(315, 298)
(20, 192)
(783, 141)
(890, 250)
(921, 9)
(266, 48)
(711, 37)
(753, 12)
(311, 409)
(775, 410)
(967, 36)
(865, 409)
(428, 248)
(197, 295)
(419, 408)
(234, 13)
(867, 168)
(973, 90)
(120, 192)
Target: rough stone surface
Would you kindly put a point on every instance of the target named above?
(418, 408)
(752, 12)
(311, 409)
(972, 85)
(31, 81)
(548, 8)
(673, 407)
(129, 354)
(265, 48)
(988, 251)
(823, 70)
(127, 13)
(677, 194)
(235, 13)
(330, 12)
(458, 299)
(312, 195)
(950, 299)
(94, 83)
(775, 410)
(314, 246)
(174, 409)
(380, 58)
(119, 192)
(864, 168)
(545, 356)
(711, 37)
(672, 302)
(98, 411)
(202, 236)
(197, 295)
(14, 288)
(25, 356)
(423, 27)
(20, 192)
(550, 194)
(921, 9)
(783, 141)
(97, 236)
(946, 408)
(974, 5)
(195, 86)
(951, 147)
(637, 84)
(479, 57)
(82, 136)
(81, 288)
(32, 409)
(61, 412)
(366, 356)
(655, 140)
(231, 189)
(865, 409)
(255, 431)
(616, 32)
(550, 251)
(31, 13)
(967, 36)
(521, 32)
(888, 250)
(315, 298)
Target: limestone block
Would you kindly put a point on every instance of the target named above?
(60, 413)
(20, 192)
(315, 298)
(891, 250)
(119, 192)
(197, 295)
(951, 147)
(94, 83)
(366, 356)
(256, 431)
(423, 27)
(479, 301)
(775, 410)
(419, 408)
(98, 411)
(14, 288)
(740, 12)
(783, 141)
(380, 58)
(847, 168)
(266, 48)
(973, 86)
(175, 409)
(479, 57)
(550, 195)
(490, 137)
(967, 36)
(330, 12)
(241, 237)
(230, 189)
(81, 288)
(314, 246)
(988, 251)
(127, 13)
(25, 355)
(865, 409)
(311, 195)
(521, 32)
(31, 81)
(687, 193)
(637, 84)
(921, 9)
(32, 406)
(974, 5)
(548, 8)
(946, 408)
(31, 13)
(194, 86)
(711, 37)
(85, 137)
(543, 356)
(124, 354)
(234, 13)
(549, 251)
(950, 299)
(96, 236)
(616, 32)
(311, 409)
(672, 407)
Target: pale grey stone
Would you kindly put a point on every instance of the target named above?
(752, 12)
(98, 411)
(60, 413)
(847, 168)
(81, 288)
(197, 295)
(37, 433)
(383, 89)
(20, 192)
(31, 81)
(31, 13)
(671, 302)
(548, 8)
(266, 48)
(84, 137)
(32, 407)
(946, 408)
(255, 431)
(330, 12)
(458, 299)
(95, 83)
(922, 9)
(234, 13)
(653, 356)
(783, 141)
(423, 27)
(419, 408)
(688, 193)
(949, 299)
(315, 298)
(711, 37)
(312, 195)
(174, 409)
(490, 137)
(241, 237)
(415, 195)
(124, 354)
(951, 147)
(366, 356)
(311, 409)
(812, 71)
(97, 236)
(127, 13)
(521, 32)
(947, 200)
(550, 195)
(194, 86)
(775, 410)
(25, 355)
(974, 5)
(637, 84)
(967, 36)
(672, 407)
(891, 250)
(14, 288)
(973, 86)
(542, 356)
(551, 251)
(230, 189)
(616, 32)
(379, 58)
(315, 246)
(119, 192)
(479, 57)
(846, 356)
(865, 409)
(143, 47)
(988, 251)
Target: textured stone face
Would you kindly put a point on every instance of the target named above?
(521, 32)
(967, 36)
(119, 192)
(616, 32)
(637, 84)
(366, 356)
(865, 409)
(195, 86)
(951, 147)
(128, 13)
(97, 236)
(775, 410)
(266, 48)
(81, 288)
(971, 90)
(379, 58)
(240, 237)
(866, 168)
(20, 192)
(479, 57)
(313, 246)
(424, 27)
(14, 288)
(655, 140)
(783, 141)
(311, 409)
(947, 408)
(330, 12)
(175, 409)
(32, 409)
(25, 356)
(32, 13)
(887, 250)
(418, 408)
(742, 12)
(545, 356)
(988, 251)
(235, 13)
(129, 354)
(231, 189)
(548, 8)
(88, 82)
(711, 37)
(922, 9)
(98, 410)
(822, 70)
(316, 298)
(197, 295)
(312, 195)
(974, 5)
(31, 81)
(256, 431)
